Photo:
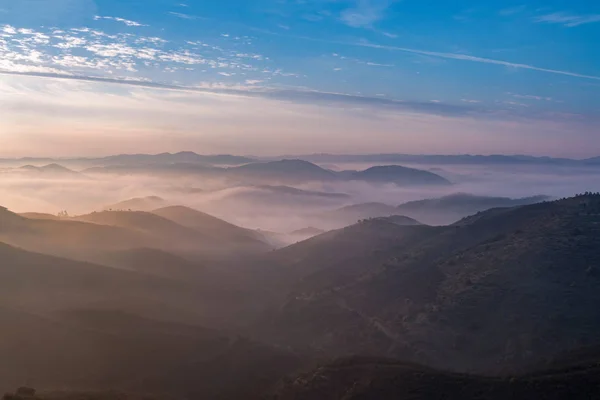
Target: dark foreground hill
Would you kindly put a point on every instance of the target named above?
(498, 290)
(100, 350)
(384, 379)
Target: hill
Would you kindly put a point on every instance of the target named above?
(237, 238)
(97, 350)
(34, 215)
(281, 171)
(449, 209)
(334, 257)
(398, 175)
(274, 173)
(148, 203)
(498, 290)
(385, 379)
(65, 237)
(168, 158)
(349, 215)
(55, 171)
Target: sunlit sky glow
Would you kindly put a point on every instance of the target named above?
(84, 77)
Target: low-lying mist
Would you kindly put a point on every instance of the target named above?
(276, 207)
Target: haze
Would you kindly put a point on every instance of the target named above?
(299, 200)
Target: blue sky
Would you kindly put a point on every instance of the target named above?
(522, 63)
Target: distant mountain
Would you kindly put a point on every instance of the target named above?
(170, 158)
(287, 190)
(398, 175)
(469, 159)
(451, 208)
(282, 171)
(138, 204)
(273, 173)
(266, 199)
(498, 290)
(48, 171)
(386, 379)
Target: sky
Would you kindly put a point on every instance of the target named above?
(267, 77)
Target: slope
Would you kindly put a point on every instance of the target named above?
(386, 379)
(236, 238)
(451, 208)
(351, 214)
(497, 290)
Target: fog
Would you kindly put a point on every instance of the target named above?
(277, 207)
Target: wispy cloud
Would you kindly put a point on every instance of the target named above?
(512, 10)
(185, 16)
(566, 19)
(465, 57)
(364, 13)
(530, 97)
(121, 20)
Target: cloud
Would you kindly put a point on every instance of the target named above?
(185, 16)
(568, 20)
(530, 97)
(117, 19)
(443, 55)
(73, 117)
(364, 13)
(512, 10)
(88, 51)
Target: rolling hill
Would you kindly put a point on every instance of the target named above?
(281, 172)
(449, 209)
(148, 203)
(398, 175)
(55, 171)
(65, 237)
(497, 290)
(237, 238)
(349, 215)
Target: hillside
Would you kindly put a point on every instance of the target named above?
(239, 239)
(504, 288)
(48, 171)
(97, 350)
(148, 203)
(397, 174)
(281, 171)
(343, 254)
(284, 172)
(64, 236)
(449, 209)
(351, 214)
(362, 378)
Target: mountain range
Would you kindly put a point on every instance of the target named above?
(280, 172)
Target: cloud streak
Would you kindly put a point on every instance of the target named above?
(452, 56)
(121, 20)
(365, 13)
(568, 20)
